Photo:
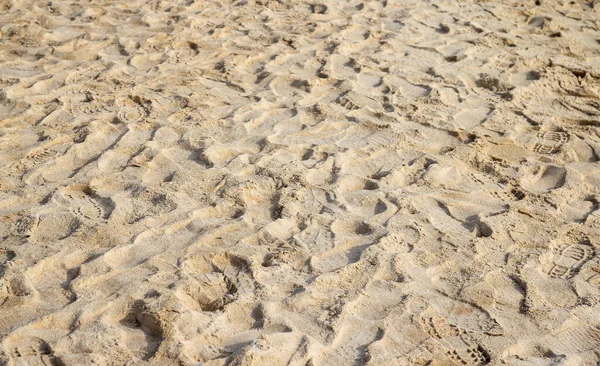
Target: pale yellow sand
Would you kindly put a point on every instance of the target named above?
(284, 182)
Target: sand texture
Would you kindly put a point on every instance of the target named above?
(261, 182)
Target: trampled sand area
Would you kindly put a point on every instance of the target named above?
(196, 182)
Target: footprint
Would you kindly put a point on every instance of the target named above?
(237, 273)
(507, 195)
(353, 101)
(30, 351)
(481, 179)
(271, 4)
(348, 103)
(352, 183)
(39, 157)
(363, 135)
(89, 210)
(16, 169)
(215, 282)
(286, 255)
(83, 203)
(441, 218)
(324, 133)
(570, 260)
(580, 110)
(549, 142)
(26, 225)
(316, 238)
(545, 178)
(457, 344)
(144, 330)
(595, 280)
(557, 137)
(85, 75)
(352, 345)
(379, 299)
(212, 291)
(66, 195)
(472, 117)
(481, 182)
(574, 340)
(92, 108)
(131, 114)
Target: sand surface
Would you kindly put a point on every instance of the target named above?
(262, 182)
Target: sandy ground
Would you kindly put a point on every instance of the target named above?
(300, 183)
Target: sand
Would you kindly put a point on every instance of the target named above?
(300, 183)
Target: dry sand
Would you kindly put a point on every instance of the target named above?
(298, 183)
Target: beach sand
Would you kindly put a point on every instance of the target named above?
(196, 182)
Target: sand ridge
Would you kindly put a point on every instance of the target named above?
(269, 182)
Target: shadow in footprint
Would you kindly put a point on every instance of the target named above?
(145, 330)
